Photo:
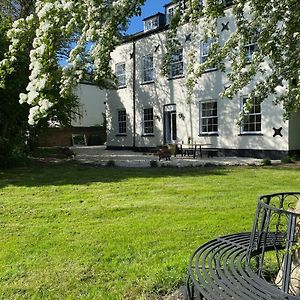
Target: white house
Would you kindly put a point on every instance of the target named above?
(149, 109)
(92, 105)
(88, 126)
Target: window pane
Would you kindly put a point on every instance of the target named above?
(148, 121)
(250, 49)
(120, 74)
(148, 69)
(176, 64)
(252, 120)
(209, 117)
(205, 47)
(122, 121)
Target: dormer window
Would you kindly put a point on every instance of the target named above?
(170, 12)
(151, 24)
(154, 22)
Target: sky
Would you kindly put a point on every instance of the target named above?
(151, 7)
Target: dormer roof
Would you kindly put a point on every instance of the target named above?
(157, 14)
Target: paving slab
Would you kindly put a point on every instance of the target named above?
(98, 155)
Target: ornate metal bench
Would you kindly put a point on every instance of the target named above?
(258, 265)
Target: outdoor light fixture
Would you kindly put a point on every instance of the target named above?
(181, 116)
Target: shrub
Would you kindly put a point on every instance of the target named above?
(266, 162)
(153, 164)
(5, 152)
(296, 157)
(10, 154)
(111, 163)
(287, 160)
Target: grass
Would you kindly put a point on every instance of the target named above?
(72, 232)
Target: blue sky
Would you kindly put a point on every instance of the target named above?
(150, 7)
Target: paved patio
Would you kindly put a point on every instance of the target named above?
(98, 155)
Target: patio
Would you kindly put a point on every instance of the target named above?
(98, 155)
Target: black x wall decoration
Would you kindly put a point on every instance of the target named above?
(156, 48)
(225, 26)
(277, 131)
(188, 37)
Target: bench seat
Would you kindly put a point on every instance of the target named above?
(218, 270)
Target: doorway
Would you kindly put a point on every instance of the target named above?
(170, 124)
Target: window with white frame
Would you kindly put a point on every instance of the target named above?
(170, 12)
(205, 47)
(151, 24)
(121, 74)
(251, 122)
(147, 68)
(250, 48)
(122, 125)
(148, 124)
(176, 64)
(208, 117)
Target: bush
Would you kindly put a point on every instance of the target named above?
(266, 162)
(111, 163)
(10, 154)
(5, 153)
(153, 164)
(287, 160)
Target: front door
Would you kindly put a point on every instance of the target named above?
(170, 128)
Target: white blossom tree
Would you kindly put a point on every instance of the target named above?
(14, 117)
(93, 28)
(273, 24)
(274, 28)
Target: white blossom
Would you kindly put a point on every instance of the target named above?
(23, 98)
(280, 90)
(91, 18)
(32, 96)
(45, 105)
(44, 9)
(4, 62)
(33, 114)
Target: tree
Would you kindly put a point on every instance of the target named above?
(273, 62)
(14, 117)
(272, 24)
(92, 26)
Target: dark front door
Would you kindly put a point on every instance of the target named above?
(170, 128)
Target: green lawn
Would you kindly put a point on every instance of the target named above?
(71, 232)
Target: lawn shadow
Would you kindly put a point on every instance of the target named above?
(45, 174)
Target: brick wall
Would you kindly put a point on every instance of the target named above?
(63, 136)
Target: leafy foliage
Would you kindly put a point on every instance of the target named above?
(93, 30)
(273, 26)
(274, 64)
(14, 127)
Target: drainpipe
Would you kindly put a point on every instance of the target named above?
(134, 96)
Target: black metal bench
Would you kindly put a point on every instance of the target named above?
(235, 266)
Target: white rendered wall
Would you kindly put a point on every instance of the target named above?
(92, 105)
(165, 91)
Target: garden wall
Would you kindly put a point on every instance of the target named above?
(53, 137)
